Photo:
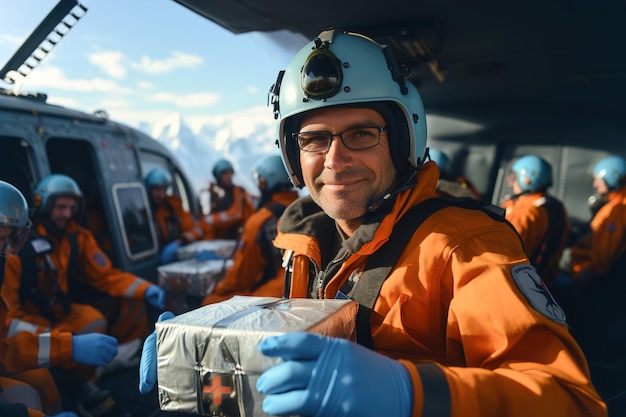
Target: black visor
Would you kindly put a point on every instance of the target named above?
(321, 75)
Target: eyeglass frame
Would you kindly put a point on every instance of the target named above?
(331, 135)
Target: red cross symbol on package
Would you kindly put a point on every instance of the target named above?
(217, 390)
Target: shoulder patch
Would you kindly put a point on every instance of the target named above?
(537, 293)
(100, 259)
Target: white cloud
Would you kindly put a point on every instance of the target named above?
(145, 85)
(10, 40)
(177, 60)
(110, 62)
(45, 77)
(186, 100)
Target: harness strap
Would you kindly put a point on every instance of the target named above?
(267, 248)
(33, 253)
(378, 266)
(551, 241)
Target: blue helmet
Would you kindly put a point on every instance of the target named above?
(53, 186)
(158, 177)
(270, 174)
(612, 170)
(350, 70)
(439, 157)
(221, 166)
(532, 173)
(14, 220)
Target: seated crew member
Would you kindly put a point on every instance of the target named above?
(257, 269)
(175, 227)
(540, 219)
(231, 205)
(22, 356)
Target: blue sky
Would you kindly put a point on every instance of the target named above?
(141, 60)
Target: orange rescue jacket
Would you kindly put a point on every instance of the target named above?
(220, 225)
(606, 241)
(95, 269)
(462, 308)
(250, 262)
(173, 222)
(544, 237)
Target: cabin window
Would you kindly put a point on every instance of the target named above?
(131, 203)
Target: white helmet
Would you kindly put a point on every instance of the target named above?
(14, 221)
(350, 70)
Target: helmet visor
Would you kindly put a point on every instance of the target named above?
(321, 75)
(12, 238)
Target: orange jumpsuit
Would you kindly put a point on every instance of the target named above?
(598, 250)
(95, 269)
(173, 222)
(225, 224)
(462, 309)
(529, 215)
(22, 356)
(249, 262)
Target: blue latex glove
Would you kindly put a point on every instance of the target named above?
(206, 255)
(155, 296)
(324, 376)
(93, 349)
(168, 254)
(148, 362)
(65, 414)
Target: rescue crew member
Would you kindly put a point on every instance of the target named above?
(175, 227)
(595, 253)
(257, 269)
(595, 266)
(23, 354)
(454, 321)
(231, 205)
(450, 185)
(540, 219)
(41, 282)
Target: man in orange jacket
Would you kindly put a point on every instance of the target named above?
(257, 269)
(453, 319)
(595, 265)
(175, 227)
(460, 323)
(42, 281)
(595, 253)
(231, 205)
(22, 356)
(539, 218)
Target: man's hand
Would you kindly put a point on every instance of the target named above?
(93, 349)
(324, 376)
(168, 254)
(155, 296)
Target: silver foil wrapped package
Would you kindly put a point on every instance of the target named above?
(208, 360)
(223, 248)
(193, 277)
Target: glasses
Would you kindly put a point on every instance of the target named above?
(355, 139)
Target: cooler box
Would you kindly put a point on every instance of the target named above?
(208, 361)
(224, 248)
(192, 277)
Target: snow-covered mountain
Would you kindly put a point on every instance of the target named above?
(243, 138)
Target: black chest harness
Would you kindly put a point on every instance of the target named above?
(51, 301)
(378, 266)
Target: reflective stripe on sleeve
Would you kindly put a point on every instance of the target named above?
(18, 326)
(43, 353)
(133, 287)
(436, 391)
